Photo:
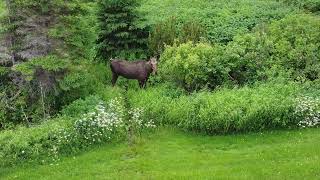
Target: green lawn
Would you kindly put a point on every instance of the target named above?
(172, 154)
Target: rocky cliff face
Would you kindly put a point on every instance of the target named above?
(5, 55)
(34, 41)
(27, 38)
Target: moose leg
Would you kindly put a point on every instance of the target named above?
(144, 84)
(114, 78)
(140, 83)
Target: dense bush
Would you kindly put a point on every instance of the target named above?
(49, 84)
(224, 111)
(80, 106)
(84, 79)
(193, 66)
(297, 44)
(24, 143)
(291, 44)
(288, 47)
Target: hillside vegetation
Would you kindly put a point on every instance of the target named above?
(222, 19)
(224, 68)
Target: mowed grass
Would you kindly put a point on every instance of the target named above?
(172, 154)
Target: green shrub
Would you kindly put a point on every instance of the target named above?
(193, 66)
(83, 106)
(82, 124)
(49, 83)
(48, 63)
(246, 109)
(22, 143)
(296, 45)
(80, 106)
(290, 44)
(288, 47)
(84, 79)
(247, 57)
(29, 89)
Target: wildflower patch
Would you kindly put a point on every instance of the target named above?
(308, 111)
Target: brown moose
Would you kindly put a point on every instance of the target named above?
(139, 70)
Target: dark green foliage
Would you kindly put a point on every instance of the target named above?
(163, 33)
(49, 63)
(297, 44)
(77, 27)
(83, 80)
(32, 93)
(310, 5)
(193, 31)
(170, 31)
(121, 30)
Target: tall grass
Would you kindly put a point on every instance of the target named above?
(266, 106)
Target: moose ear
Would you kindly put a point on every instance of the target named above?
(153, 60)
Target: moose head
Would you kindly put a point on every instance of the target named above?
(153, 63)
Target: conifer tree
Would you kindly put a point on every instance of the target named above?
(121, 30)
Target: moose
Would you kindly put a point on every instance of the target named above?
(139, 70)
